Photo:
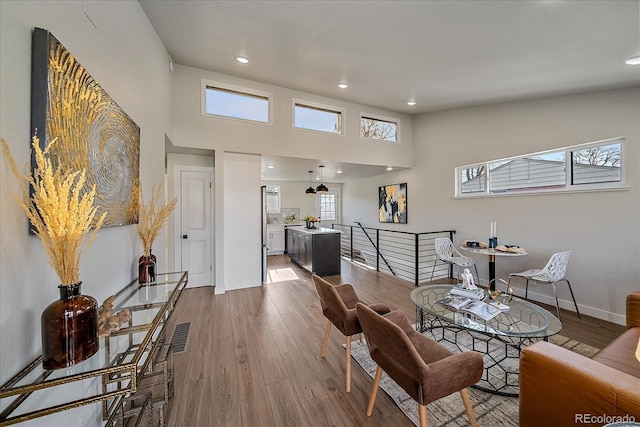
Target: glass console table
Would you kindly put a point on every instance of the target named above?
(119, 364)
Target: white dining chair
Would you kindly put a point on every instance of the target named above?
(552, 273)
(447, 253)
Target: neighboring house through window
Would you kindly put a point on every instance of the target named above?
(592, 166)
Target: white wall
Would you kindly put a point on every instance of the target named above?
(602, 229)
(127, 58)
(192, 130)
(242, 214)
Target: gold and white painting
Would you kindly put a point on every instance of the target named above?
(93, 132)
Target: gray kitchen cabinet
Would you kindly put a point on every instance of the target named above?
(315, 250)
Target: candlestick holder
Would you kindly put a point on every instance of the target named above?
(493, 242)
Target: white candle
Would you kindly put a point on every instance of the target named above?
(495, 229)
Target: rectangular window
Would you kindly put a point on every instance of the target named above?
(379, 128)
(236, 103)
(591, 166)
(316, 117)
(596, 164)
(473, 179)
(536, 172)
(273, 199)
(328, 207)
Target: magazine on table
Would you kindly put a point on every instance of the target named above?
(476, 294)
(479, 309)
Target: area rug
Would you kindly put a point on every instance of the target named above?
(490, 409)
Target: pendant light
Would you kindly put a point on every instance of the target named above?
(310, 190)
(321, 188)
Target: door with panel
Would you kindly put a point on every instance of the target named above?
(196, 226)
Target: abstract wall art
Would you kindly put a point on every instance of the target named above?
(392, 203)
(93, 132)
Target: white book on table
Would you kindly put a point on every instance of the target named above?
(476, 294)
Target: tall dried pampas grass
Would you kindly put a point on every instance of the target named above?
(60, 213)
(151, 218)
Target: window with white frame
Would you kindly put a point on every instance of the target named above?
(236, 103)
(592, 166)
(380, 128)
(316, 117)
(273, 199)
(327, 205)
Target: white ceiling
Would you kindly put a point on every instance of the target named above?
(442, 54)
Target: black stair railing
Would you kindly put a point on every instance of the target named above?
(407, 255)
(376, 245)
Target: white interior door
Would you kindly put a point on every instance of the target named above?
(195, 226)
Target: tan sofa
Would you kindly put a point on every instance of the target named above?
(561, 388)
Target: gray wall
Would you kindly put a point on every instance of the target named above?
(602, 229)
(126, 57)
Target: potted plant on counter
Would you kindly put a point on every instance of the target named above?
(310, 221)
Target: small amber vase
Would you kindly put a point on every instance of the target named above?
(69, 329)
(147, 268)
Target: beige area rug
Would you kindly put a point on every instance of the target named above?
(276, 275)
(491, 410)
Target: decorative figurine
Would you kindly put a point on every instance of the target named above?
(467, 280)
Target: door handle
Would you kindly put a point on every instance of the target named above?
(185, 236)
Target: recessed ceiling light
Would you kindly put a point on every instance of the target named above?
(389, 168)
(339, 171)
(343, 85)
(270, 166)
(242, 59)
(411, 103)
(635, 60)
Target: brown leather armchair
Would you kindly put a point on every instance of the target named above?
(339, 307)
(561, 388)
(426, 370)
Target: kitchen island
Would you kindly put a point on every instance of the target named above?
(317, 250)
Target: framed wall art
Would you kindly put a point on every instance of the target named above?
(93, 132)
(392, 203)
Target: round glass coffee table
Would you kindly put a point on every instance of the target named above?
(499, 339)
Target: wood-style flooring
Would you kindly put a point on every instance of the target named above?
(253, 355)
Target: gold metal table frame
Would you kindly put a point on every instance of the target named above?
(120, 362)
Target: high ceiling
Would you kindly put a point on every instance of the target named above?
(441, 54)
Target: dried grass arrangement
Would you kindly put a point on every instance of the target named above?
(60, 212)
(151, 218)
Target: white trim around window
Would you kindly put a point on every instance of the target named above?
(380, 118)
(339, 127)
(594, 166)
(242, 91)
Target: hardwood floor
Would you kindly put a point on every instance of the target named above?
(253, 355)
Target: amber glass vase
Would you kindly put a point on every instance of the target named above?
(69, 329)
(147, 269)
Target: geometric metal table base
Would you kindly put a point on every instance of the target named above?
(501, 353)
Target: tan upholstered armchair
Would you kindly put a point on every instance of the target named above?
(426, 370)
(560, 387)
(339, 307)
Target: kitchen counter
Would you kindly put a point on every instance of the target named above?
(319, 230)
(317, 250)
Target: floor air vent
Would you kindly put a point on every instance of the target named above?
(179, 339)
